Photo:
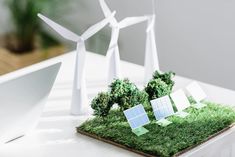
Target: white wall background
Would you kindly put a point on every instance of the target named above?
(195, 38)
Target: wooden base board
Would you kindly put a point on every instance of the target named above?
(10, 62)
(150, 155)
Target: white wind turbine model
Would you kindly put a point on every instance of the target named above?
(79, 104)
(151, 57)
(113, 56)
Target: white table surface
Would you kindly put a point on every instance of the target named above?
(56, 136)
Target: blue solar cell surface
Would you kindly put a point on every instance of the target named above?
(162, 107)
(136, 116)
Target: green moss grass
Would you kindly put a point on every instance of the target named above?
(163, 141)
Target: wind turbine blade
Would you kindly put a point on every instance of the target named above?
(107, 12)
(97, 27)
(67, 34)
(105, 8)
(132, 20)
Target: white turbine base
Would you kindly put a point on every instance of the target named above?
(79, 103)
(114, 71)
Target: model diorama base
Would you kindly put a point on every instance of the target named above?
(180, 136)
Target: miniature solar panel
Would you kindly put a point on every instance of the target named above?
(162, 107)
(196, 91)
(180, 100)
(136, 116)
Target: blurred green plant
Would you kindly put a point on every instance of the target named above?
(28, 28)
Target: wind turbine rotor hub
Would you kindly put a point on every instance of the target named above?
(81, 39)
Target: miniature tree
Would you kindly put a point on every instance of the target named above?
(126, 94)
(102, 104)
(166, 77)
(157, 88)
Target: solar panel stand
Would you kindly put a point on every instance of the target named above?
(140, 131)
(199, 105)
(163, 122)
(182, 114)
(197, 93)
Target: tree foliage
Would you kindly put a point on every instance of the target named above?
(166, 77)
(102, 104)
(160, 85)
(157, 88)
(126, 94)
